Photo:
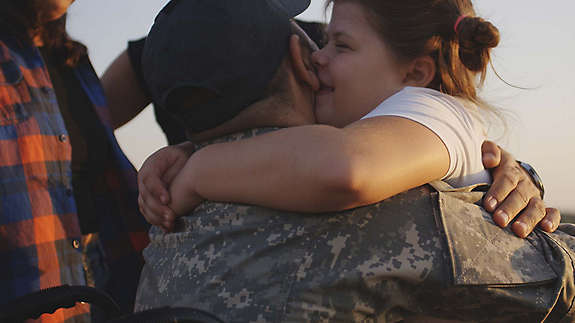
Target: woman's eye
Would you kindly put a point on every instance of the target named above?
(341, 46)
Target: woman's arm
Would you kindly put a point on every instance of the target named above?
(315, 168)
(511, 188)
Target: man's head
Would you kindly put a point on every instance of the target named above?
(207, 61)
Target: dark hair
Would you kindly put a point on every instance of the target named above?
(23, 19)
(415, 28)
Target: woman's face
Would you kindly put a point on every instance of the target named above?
(54, 9)
(356, 69)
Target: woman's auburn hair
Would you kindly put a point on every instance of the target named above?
(415, 28)
(23, 19)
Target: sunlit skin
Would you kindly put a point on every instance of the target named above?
(50, 10)
(356, 69)
(54, 9)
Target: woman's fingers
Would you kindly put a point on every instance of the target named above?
(153, 185)
(154, 210)
(151, 217)
(154, 195)
(159, 169)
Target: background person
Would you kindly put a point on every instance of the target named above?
(68, 212)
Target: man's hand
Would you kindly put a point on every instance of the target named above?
(513, 193)
(154, 178)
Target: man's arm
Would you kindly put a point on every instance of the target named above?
(125, 96)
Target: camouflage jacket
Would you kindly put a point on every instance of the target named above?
(426, 253)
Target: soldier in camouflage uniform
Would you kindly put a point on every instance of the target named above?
(429, 253)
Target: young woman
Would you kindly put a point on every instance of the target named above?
(416, 63)
(68, 212)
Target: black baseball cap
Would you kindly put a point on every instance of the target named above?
(232, 48)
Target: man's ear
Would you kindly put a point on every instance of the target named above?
(302, 64)
(420, 72)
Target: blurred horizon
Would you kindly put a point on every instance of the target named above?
(537, 42)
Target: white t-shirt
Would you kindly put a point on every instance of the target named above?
(456, 122)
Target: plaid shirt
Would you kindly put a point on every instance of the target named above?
(40, 239)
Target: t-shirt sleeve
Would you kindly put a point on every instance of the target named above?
(442, 114)
(135, 51)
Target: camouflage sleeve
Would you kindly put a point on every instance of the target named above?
(417, 256)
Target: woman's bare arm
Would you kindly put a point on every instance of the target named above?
(315, 168)
(510, 188)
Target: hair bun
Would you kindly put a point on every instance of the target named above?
(476, 37)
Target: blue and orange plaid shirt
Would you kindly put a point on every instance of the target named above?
(40, 238)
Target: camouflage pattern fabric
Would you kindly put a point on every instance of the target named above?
(419, 255)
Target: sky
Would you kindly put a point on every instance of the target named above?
(537, 52)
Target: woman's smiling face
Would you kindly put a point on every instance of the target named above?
(356, 69)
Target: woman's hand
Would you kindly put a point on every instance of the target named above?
(513, 194)
(185, 198)
(154, 179)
